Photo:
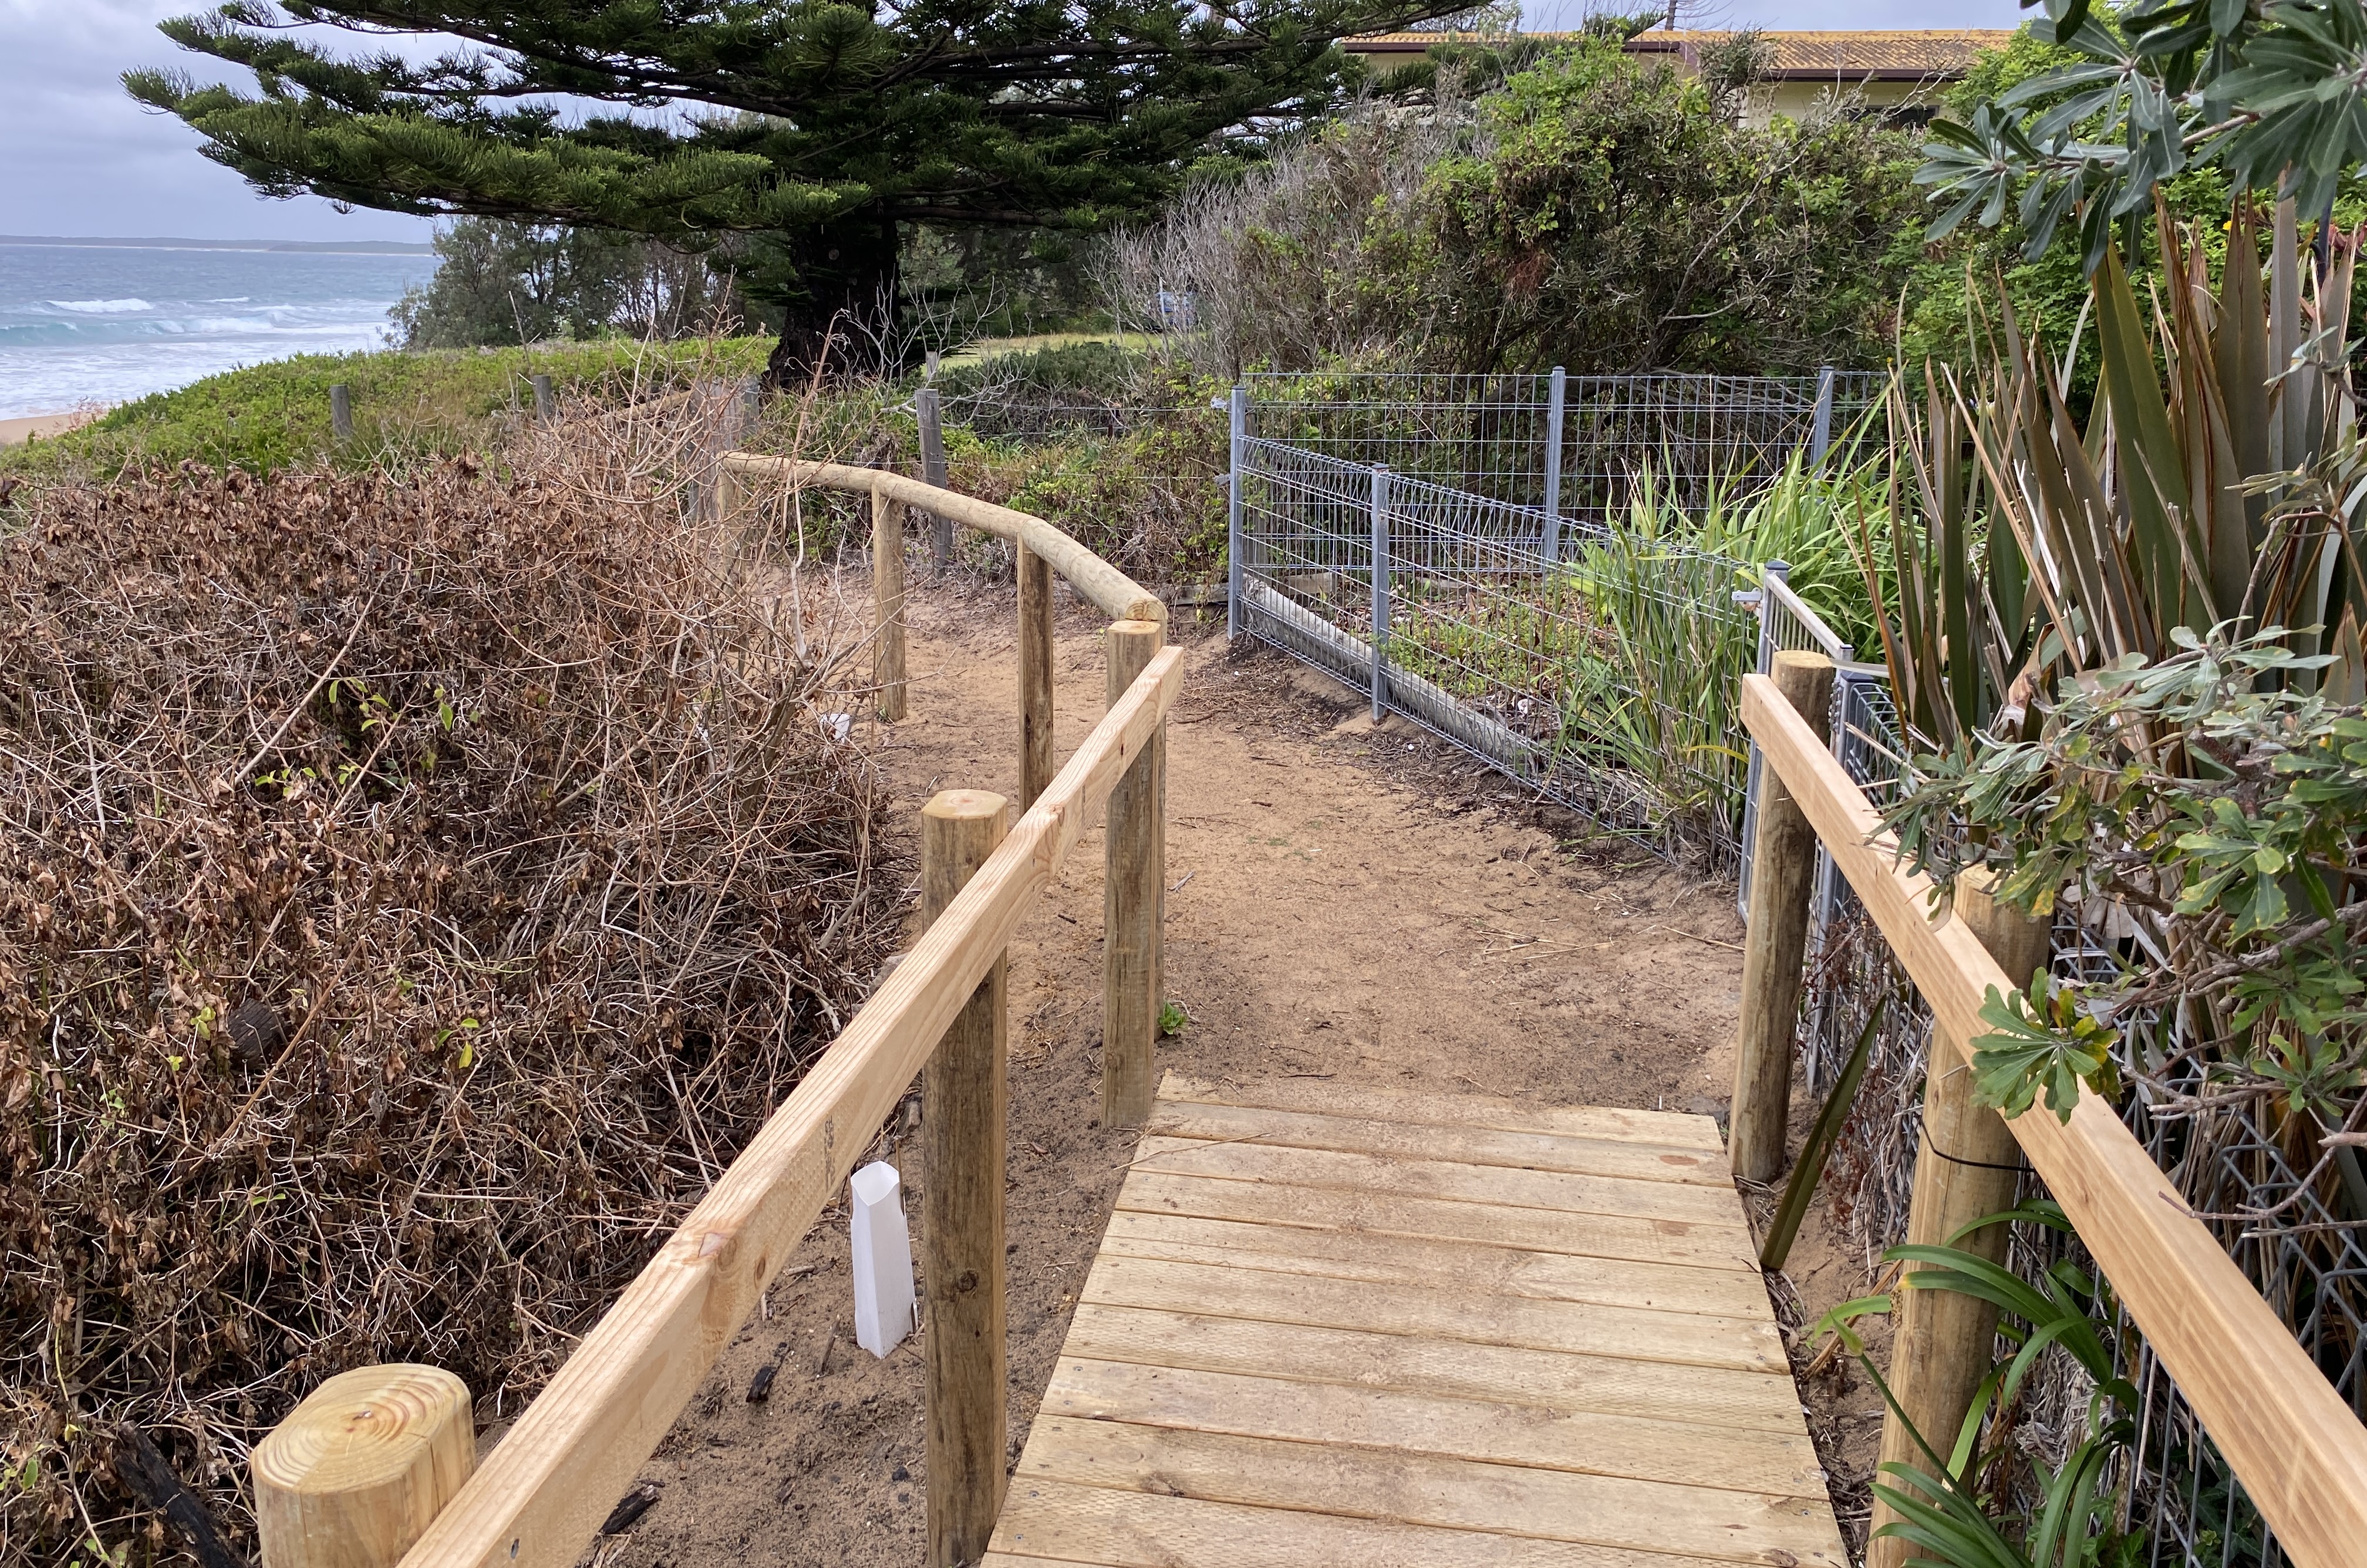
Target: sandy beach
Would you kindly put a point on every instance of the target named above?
(15, 432)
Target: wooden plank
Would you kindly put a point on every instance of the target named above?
(1400, 1260)
(2299, 1450)
(1342, 1414)
(1435, 1489)
(1545, 1230)
(1549, 1380)
(1441, 1315)
(1323, 1096)
(537, 1498)
(1440, 1178)
(1147, 1528)
(1110, 590)
(1624, 1159)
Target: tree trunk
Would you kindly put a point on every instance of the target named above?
(841, 317)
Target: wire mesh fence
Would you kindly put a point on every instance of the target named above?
(1568, 446)
(1524, 618)
(2175, 1495)
(1605, 680)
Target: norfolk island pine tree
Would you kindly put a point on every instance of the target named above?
(819, 127)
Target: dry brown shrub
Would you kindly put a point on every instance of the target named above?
(412, 893)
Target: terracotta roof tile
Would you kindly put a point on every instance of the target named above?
(1796, 56)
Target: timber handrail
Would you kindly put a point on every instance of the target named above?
(542, 1492)
(1110, 590)
(2299, 1450)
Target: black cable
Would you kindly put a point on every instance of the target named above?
(1977, 1165)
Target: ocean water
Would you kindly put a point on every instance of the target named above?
(104, 323)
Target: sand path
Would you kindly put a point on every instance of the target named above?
(1347, 900)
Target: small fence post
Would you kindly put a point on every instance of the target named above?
(362, 1467)
(1035, 676)
(887, 604)
(1380, 590)
(965, 1103)
(546, 399)
(929, 403)
(341, 413)
(1134, 897)
(1240, 409)
(1820, 434)
(1783, 873)
(1967, 1168)
(1557, 389)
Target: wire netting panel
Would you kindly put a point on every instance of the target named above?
(1606, 679)
(1492, 435)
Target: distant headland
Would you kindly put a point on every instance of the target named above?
(313, 247)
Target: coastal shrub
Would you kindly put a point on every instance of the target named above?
(1597, 210)
(412, 891)
(407, 406)
(1611, 215)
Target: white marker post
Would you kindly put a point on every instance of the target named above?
(883, 1258)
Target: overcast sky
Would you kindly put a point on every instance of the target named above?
(82, 158)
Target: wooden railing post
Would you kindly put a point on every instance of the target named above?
(1967, 1168)
(965, 1107)
(341, 413)
(1035, 675)
(887, 604)
(360, 1470)
(1134, 897)
(1783, 873)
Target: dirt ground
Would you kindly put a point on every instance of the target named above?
(1347, 900)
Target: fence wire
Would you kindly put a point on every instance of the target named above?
(1567, 445)
(1604, 680)
(2175, 1491)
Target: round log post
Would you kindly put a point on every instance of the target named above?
(1134, 897)
(359, 1470)
(1035, 676)
(1967, 1168)
(1783, 874)
(887, 604)
(341, 413)
(965, 1103)
(546, 399)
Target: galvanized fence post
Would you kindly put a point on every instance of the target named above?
(1821, 435)
(1239, 413)
(1380, 589)
(1557, 386)
(929, 404)
(1773, 572)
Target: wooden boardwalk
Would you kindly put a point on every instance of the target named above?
(1333, 1326)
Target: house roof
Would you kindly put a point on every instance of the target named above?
(1912, 56)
